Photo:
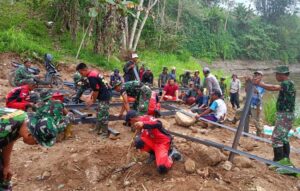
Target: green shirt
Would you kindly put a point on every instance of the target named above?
(22, 74)
(286, 97)
(10, 124)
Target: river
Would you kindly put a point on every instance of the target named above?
(270, 78)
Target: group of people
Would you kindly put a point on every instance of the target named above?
(49, 118)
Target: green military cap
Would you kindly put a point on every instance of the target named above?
(282, 69)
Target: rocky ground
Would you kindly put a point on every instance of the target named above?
(85, 162)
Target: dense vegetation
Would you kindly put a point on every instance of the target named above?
(207, 29)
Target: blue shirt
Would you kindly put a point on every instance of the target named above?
(256, 99)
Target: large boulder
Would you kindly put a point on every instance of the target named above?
(184, 120)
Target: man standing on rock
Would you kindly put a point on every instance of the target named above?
(102, 93)
(285, 107)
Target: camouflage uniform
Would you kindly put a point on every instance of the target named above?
(10, 124)
(23, 76)
(141, 93)
(53, 110)
(103, 117)
(285, 113)
(81, 84)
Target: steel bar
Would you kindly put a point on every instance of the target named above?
(250, 89)
(136, 74)
(227, 148)
(257, 138)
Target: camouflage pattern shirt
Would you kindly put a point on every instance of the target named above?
(286, 97)
(10, 124)
(132, 88)
(22, 73)
(51, 109)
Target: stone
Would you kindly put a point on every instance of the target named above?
(203, 131)
(259, 188)
(204, 173)
(242, 162)
(194, 130)
(248, 145)
(213, 156)
(45, 175)
(236, 169)
(184, 120)
(126, 183)
(190, 166)
(61, 186)
(227, 165)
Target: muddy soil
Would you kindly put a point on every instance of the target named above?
(86, 162)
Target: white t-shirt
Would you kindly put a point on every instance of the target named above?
(235, 86)
(219, 107)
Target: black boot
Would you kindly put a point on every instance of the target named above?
(151, 157)
(278, 153)
(286, 150)
(174, 154)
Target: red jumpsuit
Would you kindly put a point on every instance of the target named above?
(154, 138)
(17, 98)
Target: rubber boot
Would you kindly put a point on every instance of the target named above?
(103, 132)
(97, 128)
(278, 155)
(68, 131)
(285, 162)
(286, 150)
(174, 154)
(151, 157)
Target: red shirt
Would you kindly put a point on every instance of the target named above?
(20, 93)
(170, 90)
(153, 129)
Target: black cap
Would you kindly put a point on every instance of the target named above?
(130, 114)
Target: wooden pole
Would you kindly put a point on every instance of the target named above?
(243, 119)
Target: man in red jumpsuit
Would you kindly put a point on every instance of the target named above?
(18, 98)
(154, 139)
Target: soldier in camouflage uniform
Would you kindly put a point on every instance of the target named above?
(285, 107)
(55, 111)
(23, 76)
(101, 92)
(139, 91)
(13, 125)
(81, 84)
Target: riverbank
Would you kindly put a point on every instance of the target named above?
(247, 67)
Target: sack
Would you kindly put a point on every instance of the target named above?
(184, 120)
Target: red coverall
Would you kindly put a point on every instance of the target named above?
(153, 104)
(16, 98)
(154, 138)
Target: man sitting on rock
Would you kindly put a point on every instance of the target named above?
(217, 109)
(170, 91)
(19, 98)
(201, 102)
(191, 95)
(154, 139)
(14, 125)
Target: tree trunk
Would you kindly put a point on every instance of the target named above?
(132, 35)
(150, 6)
(179, 13)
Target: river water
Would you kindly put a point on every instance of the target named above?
(270, 78)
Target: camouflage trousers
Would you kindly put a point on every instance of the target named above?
(103, 116)
(283, 124)
(4, 185)
(30, 81)
(141, 105)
